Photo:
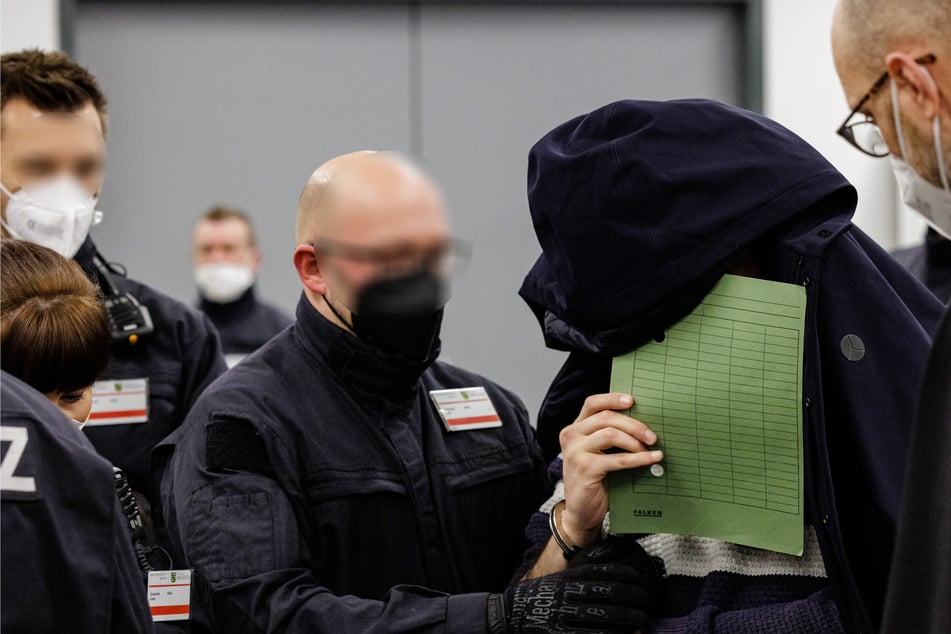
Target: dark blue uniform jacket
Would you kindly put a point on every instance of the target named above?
(640, 207)
(315, 489)
(67, 562)
(180, 358)
(245, 324)
(930, 262)
(919, 589)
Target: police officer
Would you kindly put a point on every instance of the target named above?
(67, 562)
(226, 258)
(53, 164)
(341, 479)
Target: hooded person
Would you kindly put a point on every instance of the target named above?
(640, 207)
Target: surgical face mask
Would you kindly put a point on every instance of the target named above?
(56, 214)
(401, 314)
(933, 203)
(80, 423)
(223, 283)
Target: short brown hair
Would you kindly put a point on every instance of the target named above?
(50, 81)
(54, 333)
(224, 212)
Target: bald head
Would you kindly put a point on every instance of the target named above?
(375, 190)
(864, 31)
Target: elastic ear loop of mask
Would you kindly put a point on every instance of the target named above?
(935, 131)
(331, 306)
(3, 221)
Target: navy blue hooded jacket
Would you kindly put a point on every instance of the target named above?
(640, 207)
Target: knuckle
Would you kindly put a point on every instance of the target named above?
(565, 435)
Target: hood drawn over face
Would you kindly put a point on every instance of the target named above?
(639, 205)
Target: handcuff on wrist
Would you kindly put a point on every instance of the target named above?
(567, 550)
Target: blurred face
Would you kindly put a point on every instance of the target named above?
(36, 147)
(386, 221)
(76, 404)
(226, 241)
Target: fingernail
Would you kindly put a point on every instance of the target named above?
(650, 436)
(626, 400)
(657, 455)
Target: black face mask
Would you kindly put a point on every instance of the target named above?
(402, 314)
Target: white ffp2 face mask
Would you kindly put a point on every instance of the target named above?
(56, 214)
(933, 203)
(223, 283)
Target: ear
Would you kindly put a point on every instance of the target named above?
(308, 269)
(255, 259)
(923, 99)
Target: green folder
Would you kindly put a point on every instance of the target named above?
(722, 389)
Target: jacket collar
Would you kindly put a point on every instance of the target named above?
(238, 309)
(375, 374)
(86, 255)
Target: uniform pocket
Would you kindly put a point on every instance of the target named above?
(476, 470)
(236, 539)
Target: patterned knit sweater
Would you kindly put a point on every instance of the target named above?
(716, 586)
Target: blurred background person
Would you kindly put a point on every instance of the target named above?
(226, 258)
(60, 517)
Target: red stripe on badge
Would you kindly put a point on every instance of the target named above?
(163, 610)
(475, 419)
(119, 414)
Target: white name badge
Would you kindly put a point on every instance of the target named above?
(119, 401)
(170, 594)
(465, 408)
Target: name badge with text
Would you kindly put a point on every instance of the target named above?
(170, 594)
(465, 408)
(118, 401)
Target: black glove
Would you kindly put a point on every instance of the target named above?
(608, 587)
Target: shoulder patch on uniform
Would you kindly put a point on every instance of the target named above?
(235, 444)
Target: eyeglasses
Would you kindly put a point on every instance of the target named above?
(446, 257)
(864, 133)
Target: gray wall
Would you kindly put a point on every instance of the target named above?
(238, 103)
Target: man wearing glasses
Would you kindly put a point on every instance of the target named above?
(930, 262)
(902, 49)
(340, 479)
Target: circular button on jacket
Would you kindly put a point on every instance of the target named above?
(852, 347)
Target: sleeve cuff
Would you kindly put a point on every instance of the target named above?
(465, 613)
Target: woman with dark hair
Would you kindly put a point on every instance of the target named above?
(63, 517)
(54, 334)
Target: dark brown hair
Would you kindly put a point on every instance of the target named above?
(50, 81)
(54, 334)
(223, 212)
